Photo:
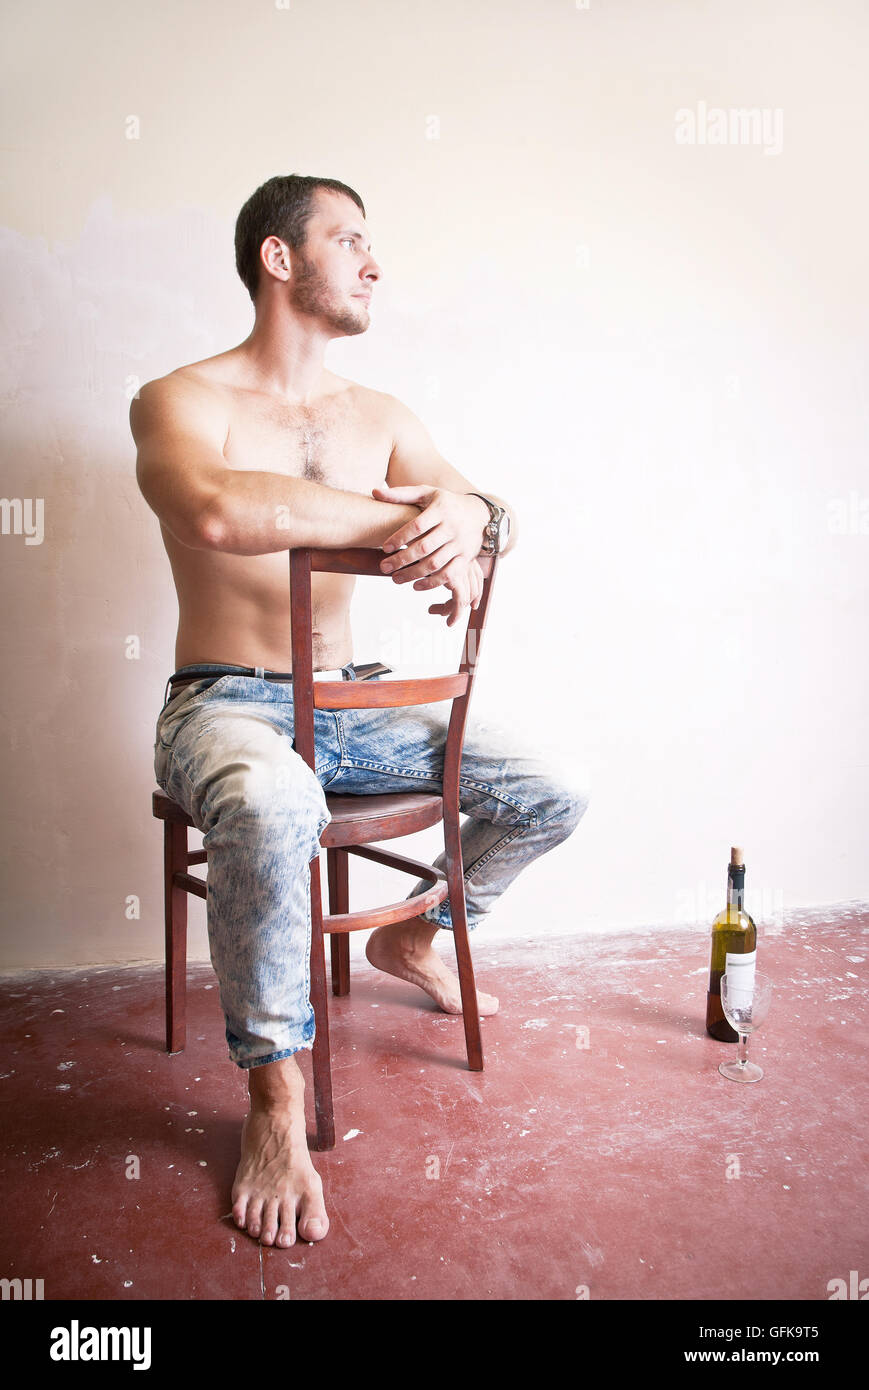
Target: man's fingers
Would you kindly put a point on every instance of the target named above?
(461, 599)
(442, 574)
(421, 526)
(476, 585)
(421, 496)
(466, 582)
(451, 609)
(408, 492)
(408, 533)
(430, 572)
(419, 553)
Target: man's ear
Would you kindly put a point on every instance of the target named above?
(275, 258)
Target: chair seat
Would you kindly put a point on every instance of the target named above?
(164, 808)
(355, 819)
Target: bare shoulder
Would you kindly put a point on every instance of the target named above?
(186, 396)
(402, 419)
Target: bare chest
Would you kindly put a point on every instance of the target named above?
(343, 442)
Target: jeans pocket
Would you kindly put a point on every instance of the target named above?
(193, 696)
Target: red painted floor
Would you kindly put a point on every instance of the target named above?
(599, 1150)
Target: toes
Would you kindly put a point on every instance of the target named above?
(239, 1211)
(287, 1232)
(314, 1228)
(313, 1221)
(270, 1222)
(254, 1217)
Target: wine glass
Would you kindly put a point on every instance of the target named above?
(745, 1002)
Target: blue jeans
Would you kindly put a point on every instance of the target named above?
(224, 751)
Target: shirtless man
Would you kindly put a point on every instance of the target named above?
(243, 456)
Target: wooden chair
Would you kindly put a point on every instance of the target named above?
(356, 820)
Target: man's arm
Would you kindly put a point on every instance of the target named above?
(442, 542)
(415, 460)
(180, 430)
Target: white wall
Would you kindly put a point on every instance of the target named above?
(655, 350)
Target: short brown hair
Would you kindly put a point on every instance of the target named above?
(281, 207)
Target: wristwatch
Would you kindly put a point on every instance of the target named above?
(497, 530)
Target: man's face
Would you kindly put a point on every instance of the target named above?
(334, 273)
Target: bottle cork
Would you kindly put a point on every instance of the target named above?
(736, 857)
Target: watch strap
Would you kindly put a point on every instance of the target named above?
(491, 531)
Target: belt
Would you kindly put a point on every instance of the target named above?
(186, 675)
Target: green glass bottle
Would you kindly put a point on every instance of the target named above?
(733, 934)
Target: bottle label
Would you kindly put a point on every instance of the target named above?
(739, 969)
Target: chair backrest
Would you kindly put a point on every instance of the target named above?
(309, 694)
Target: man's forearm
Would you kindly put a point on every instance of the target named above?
(258, 513)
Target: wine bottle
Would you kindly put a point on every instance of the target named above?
(734, 943)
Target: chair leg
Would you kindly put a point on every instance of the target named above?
(337, 862)
(458, 913)
(175, 861)
(321, 1059)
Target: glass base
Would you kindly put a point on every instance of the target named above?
(741, 1071)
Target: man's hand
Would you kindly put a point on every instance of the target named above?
(449, 528)
(466, 582)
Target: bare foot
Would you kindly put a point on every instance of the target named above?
(277, 1188)
(404, 949)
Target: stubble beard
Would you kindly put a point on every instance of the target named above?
(310, 294)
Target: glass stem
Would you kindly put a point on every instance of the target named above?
(742, 1050)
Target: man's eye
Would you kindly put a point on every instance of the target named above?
(347, 238)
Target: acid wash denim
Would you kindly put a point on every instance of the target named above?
(224, 751)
